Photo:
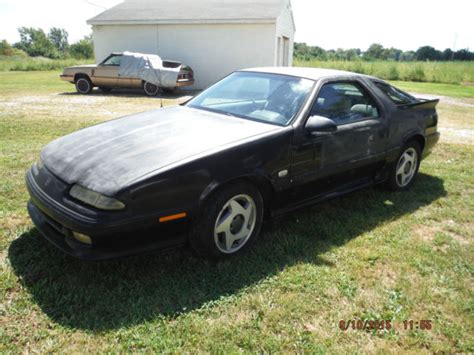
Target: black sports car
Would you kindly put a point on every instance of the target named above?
(257, 144)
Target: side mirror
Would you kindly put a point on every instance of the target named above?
(320, 124)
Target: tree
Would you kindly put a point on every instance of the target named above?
(375, 51)
(428, 53)
(352, 54)
(407, 56)
(83, 49)
(35, 42)
(391, 54)
(463, 54)
(6, 48)
(59, 38)
(317, 52)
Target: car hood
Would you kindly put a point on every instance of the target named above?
(110, 156)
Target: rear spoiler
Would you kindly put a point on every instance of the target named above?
(421, 104)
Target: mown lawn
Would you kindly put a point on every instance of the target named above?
(374, 255)
(452, 90)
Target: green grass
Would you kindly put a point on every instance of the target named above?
(18, 63)
(435, 72)
(32, 82)
(48, 81)
(373, 254)
(453, 90)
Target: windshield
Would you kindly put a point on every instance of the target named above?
(270, 98)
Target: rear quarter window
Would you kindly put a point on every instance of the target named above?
(397, 96)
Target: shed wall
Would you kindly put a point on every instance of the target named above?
(212, 50)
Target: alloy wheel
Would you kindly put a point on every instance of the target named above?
(235, 224)
(406, 167)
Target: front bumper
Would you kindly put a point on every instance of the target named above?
(62, 238)
(111, 237)
(68, 78)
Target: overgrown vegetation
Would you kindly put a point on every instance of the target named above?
(377, 52)
(423, 65)
(435, 72)
(19, 63)
(370, 255)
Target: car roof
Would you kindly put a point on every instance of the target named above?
(309, 73)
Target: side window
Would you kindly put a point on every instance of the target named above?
(113, 60)
(344, 102)
(397, 96)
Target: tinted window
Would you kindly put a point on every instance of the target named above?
(344, 102)
(113, 60)
(397, 96)
(263, 97)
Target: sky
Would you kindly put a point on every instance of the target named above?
(404, 24)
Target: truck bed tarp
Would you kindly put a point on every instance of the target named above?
(148, 67)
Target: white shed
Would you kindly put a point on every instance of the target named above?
(214, 37)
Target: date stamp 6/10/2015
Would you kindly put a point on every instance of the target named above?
(409, 324)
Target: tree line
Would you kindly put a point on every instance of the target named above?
(377, 52)
(34, 42)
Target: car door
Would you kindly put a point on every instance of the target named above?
(106, 73)
(324, 162)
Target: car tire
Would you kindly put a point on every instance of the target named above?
(405, 168)
(229, 222)
(83, 85)
(105, 89)
(150, 89)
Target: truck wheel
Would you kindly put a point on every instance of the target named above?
(405, 169)
(150, 89)
(83, 85)
(229, 222)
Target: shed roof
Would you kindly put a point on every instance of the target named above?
(190, 11)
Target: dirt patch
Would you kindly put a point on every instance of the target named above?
(454, 135)
(447, 100)
(95, 106)
(428, 233)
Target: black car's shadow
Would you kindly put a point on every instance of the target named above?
(131, 93)
(107, 295)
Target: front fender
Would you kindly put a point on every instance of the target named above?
(260, 180)
(187, 186)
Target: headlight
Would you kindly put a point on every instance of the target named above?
(95, 199)
(37, 166)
